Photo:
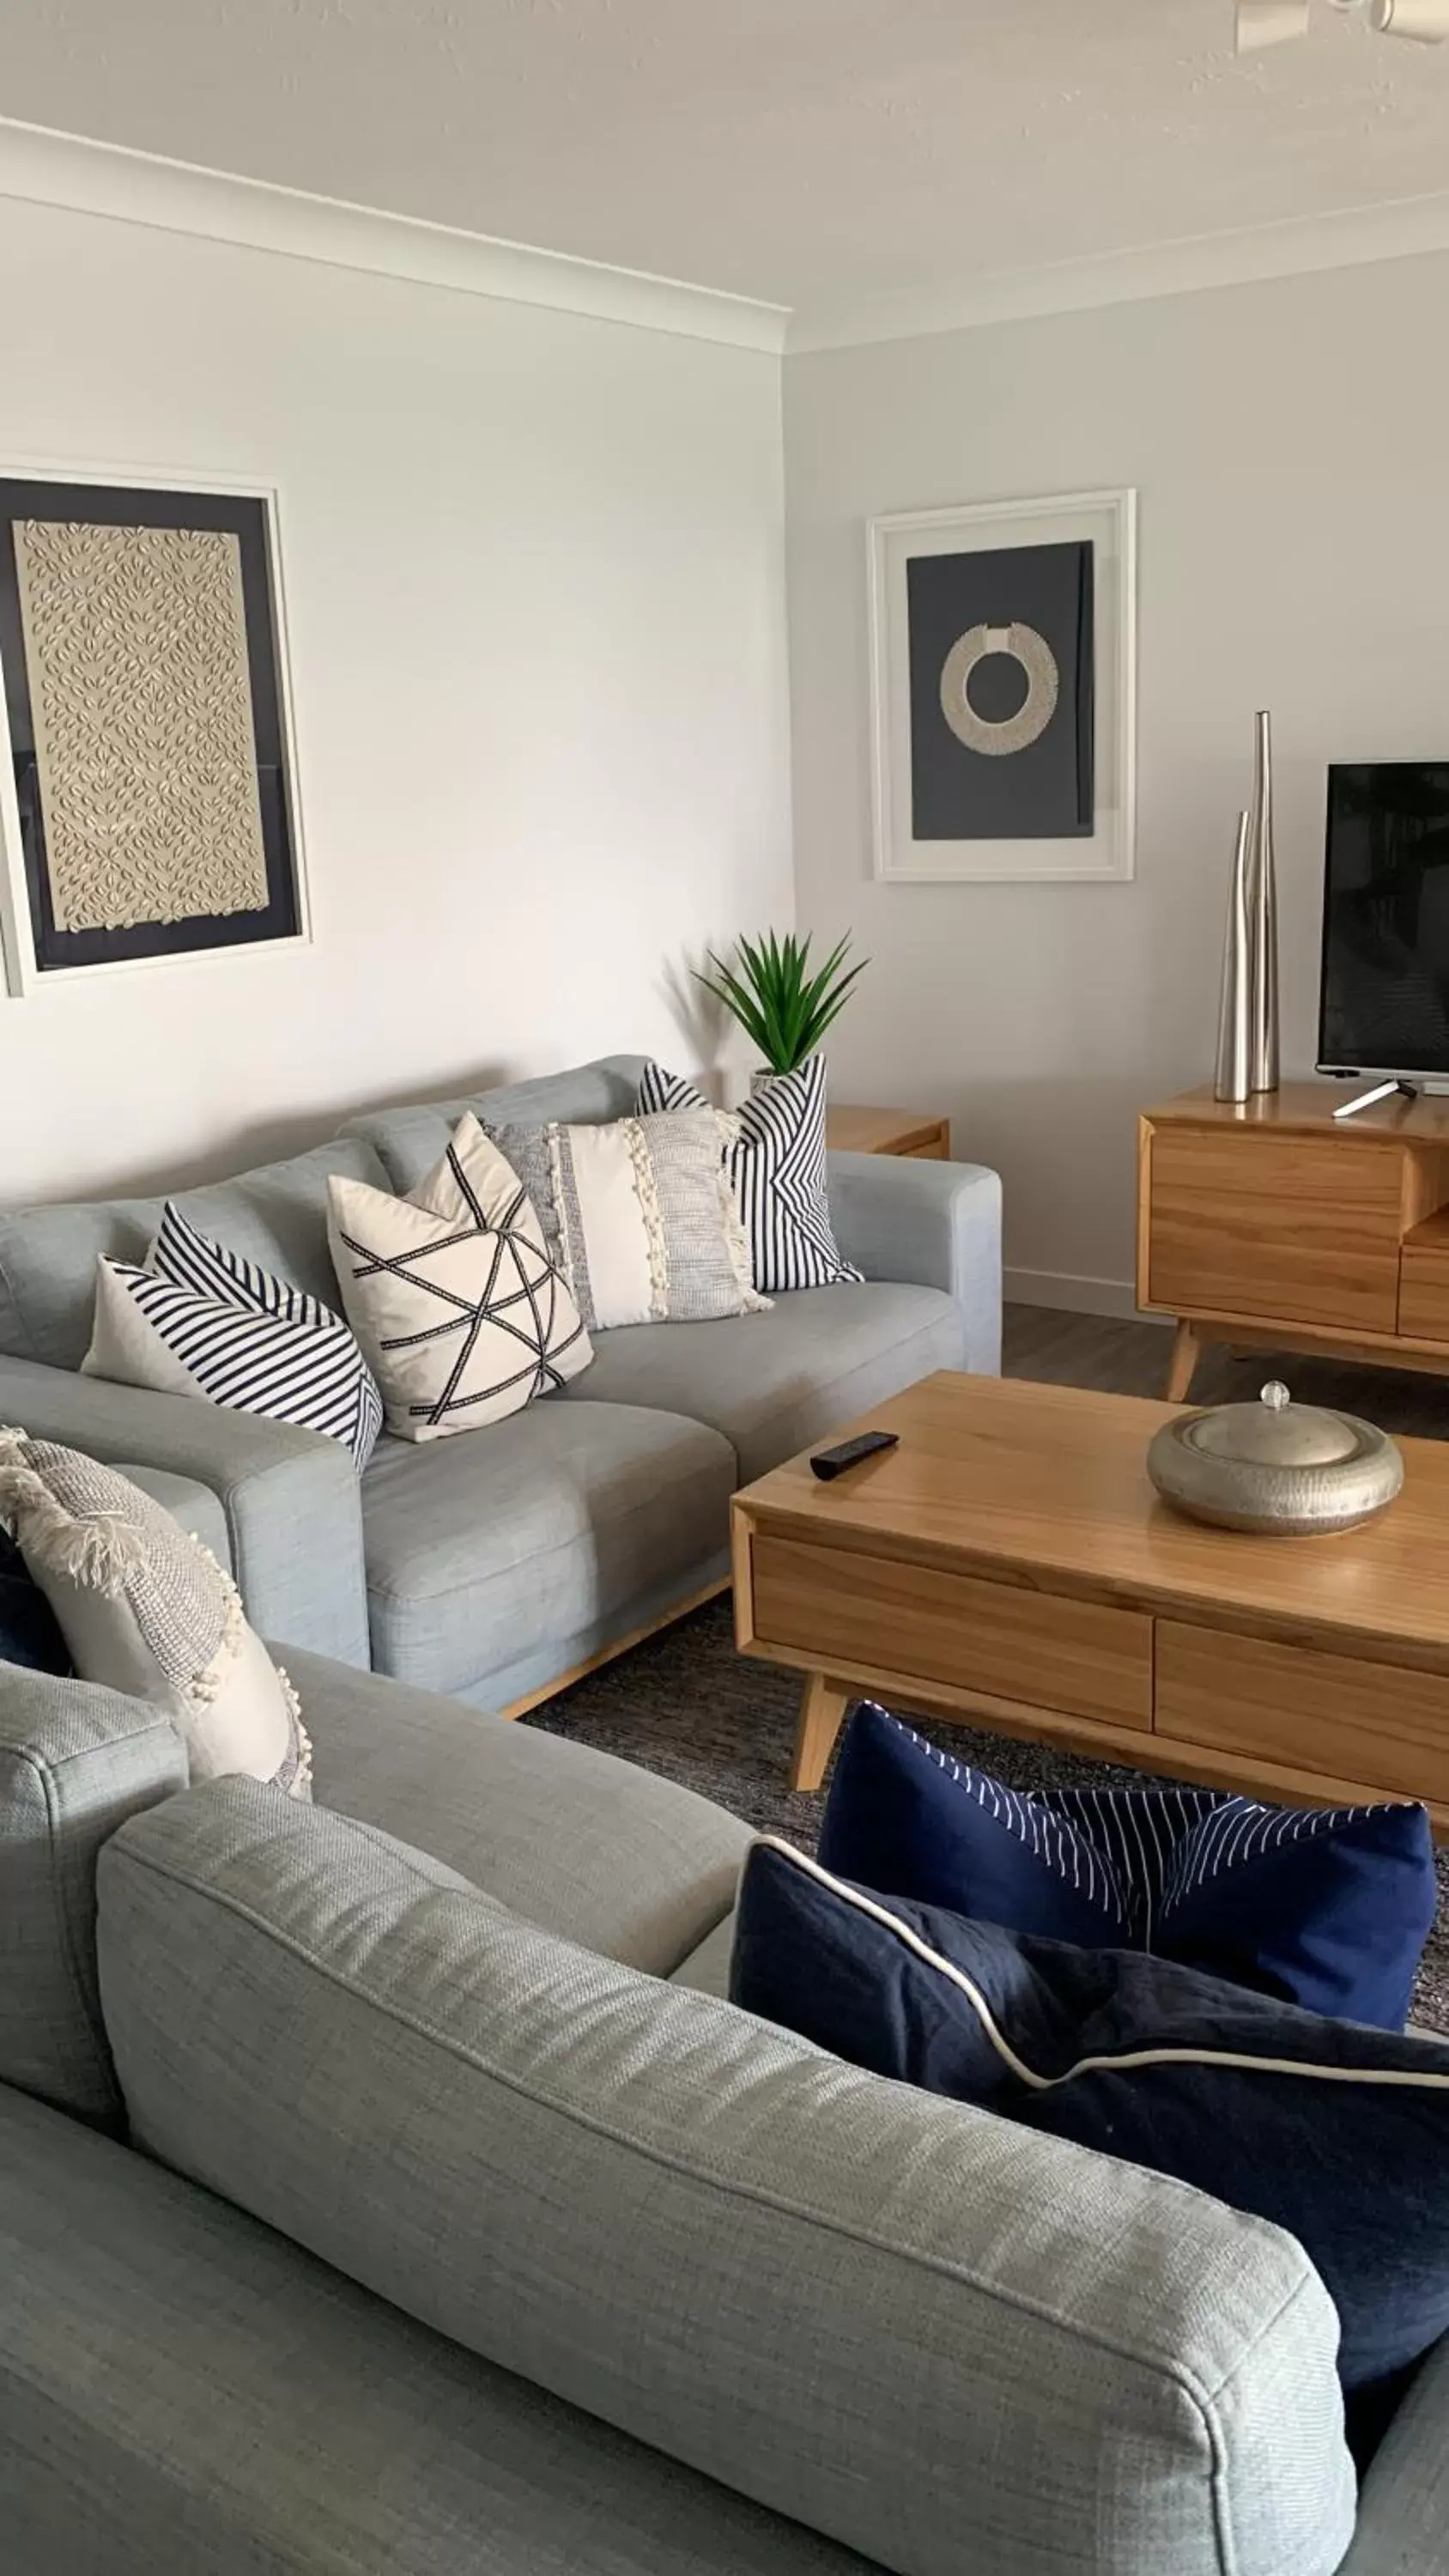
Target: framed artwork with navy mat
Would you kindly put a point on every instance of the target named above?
(148, 798)
(1003, 656)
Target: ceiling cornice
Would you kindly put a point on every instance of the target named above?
(50, 169)
(44, 167)
(1401, 229)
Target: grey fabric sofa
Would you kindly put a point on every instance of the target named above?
(492, 1564)
(386, 2187)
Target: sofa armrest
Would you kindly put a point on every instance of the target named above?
(291, 1498)
(935, 1225)
(1403, 2514)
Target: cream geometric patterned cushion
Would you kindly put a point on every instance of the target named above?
(147, 1610)
(451, 1293)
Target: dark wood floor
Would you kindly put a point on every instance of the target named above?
(1131, 1359)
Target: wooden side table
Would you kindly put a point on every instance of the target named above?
(887, 1131)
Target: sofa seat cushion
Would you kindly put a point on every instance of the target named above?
(494, 1546)
(774, 1383)
(580, 1843)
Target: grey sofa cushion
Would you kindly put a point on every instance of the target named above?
(1403, 2523)
(706, 1970)
(960, 2349)
(483, 1548)
(74, 1762)
(182, 2393)
(411, 1141)
(276, 1215)
(774, 1383)
(586, 1846)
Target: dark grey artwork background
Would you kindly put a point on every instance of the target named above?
(1044, 792)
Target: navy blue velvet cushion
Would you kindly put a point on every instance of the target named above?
(1328, 1908)
(1141, 2059)
(29, 1633)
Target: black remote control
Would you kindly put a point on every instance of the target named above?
(830, 1463)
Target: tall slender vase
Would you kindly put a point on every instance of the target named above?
(1233, 1077)
(1263, 916)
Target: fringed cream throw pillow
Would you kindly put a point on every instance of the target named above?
(146, 1609)
(640, 1217)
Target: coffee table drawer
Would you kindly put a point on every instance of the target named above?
(1324, 1714)
(848, 1611)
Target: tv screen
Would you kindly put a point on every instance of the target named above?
(1384, 1004)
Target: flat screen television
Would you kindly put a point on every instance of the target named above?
(1384, 993)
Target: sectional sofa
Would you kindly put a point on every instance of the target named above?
(386, 2187)
(493, 1565)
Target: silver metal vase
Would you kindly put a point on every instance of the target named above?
(1263, 916)
(1232, 1079)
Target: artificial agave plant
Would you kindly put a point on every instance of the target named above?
(782, 1008)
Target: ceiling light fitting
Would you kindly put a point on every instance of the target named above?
(1278, 22)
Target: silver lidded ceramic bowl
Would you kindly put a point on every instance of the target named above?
(1296, 1470)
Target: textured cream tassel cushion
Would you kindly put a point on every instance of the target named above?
(146, 1609)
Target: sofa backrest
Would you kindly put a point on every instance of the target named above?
(960, 2347)
(411, 1141)
(75, 1761)
(276, 1215)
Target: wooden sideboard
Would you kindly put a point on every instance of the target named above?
(1270, 1224)
(888, 1131)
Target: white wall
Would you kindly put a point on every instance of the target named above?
(534, 573)
(1290, 442)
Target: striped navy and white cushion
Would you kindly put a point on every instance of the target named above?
(776, 1163)
(1327, 1907)
(200, 1320)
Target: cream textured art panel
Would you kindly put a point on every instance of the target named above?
(136, 643)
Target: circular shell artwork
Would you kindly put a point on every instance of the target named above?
(1023, 645)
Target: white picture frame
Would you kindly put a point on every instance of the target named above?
(21, 973)
(1108, 521)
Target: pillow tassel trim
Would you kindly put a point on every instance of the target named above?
(101, 1554)
(646, 1190)
(1396, 2077)
(205, 1685)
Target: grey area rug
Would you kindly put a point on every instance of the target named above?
(685, 1704)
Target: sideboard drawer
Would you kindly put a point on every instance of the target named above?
(1304, 1229)
(1327, 1715)
(1424, 1283)
(849, 1611)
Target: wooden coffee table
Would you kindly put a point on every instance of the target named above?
(1010, 1565)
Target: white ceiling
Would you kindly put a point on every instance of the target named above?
(810, 152)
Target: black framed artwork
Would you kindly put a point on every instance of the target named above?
(151, 809)
(1002, 643)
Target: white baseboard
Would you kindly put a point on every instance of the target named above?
(1075, 1294)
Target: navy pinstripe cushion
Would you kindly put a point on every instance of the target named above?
(1328, 1908)
(776, 1165)
(245, 1338)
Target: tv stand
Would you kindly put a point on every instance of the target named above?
(1274, 1225)
(1371, 1099)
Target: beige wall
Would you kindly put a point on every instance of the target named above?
(535, 578)
(1290, 443)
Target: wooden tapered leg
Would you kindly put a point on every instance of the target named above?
(1186, 1352)
(822, 1707)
